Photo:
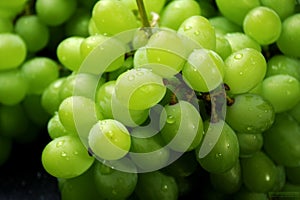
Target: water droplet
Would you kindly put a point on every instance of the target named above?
(290, 80)
(140, 73)
(197, 33)
(63, 154)
(114, 192)
(227, 145)
(259, 116)
(164, 187)
(131, 77)
(194, 69)
(249, 128)
(158, 59)
(60, 143)
(186, 28)
(75, 152)
(241, 73)
(218, 155)
(238, 56)
(170, 119)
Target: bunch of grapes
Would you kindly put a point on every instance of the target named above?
(158, 99)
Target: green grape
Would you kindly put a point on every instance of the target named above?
(50, 98)
(13, 51)
(223, 47)
(164, 54)
(66, 157)
(239, 41)
(78, 24)
(181, 126)
(224, 153)
(55, 12)
(80, 84)
(295, 112)
(92, 29)
(68, 52)
(199, 30)
(55, 128)
(34, 32)
(80, 187)
(223, 25)
(249, 143)
(228, 182)
(263, 168)
(156, 185)
(104, 98)
(282, 8)
(147, 149)
(6, 148)
(39, 72)
(6, 25)
(134, 85)
(109, 139)
(250, 113)
(78, 114)
(244, 194)
(35, 111)
(175, 12)
(280, 178)
(244, 70)
(150, 6)
(236, 11)
(107, 47)
(282, 91)
(10, 9)
(281, 141)
(282, 64)
(13, 121)
(289, 42)
(112, 183)
(13, 87)
(262, 19)
(204, 70)
(112, 17)
(184, 166)
(293, 174)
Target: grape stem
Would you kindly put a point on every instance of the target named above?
(143, 14)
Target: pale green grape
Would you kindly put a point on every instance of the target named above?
(181, 126)
(175, 12)
(39, 72)
(236, 11)
(282, 91)
(282, 8)
(239, 41)
(250, 113)
(262, 19)
(34, 32)
(13, 51)
(204, 70)
(68, 52)
(112, 17)
(13, 87)
(55, 12)
(79, 114)
(66, 157)
(109, 139)
(55, 128)
(244, 70)
(199, 30)
(164, 54)
(139, 89)
(223, 47)
(289, 41)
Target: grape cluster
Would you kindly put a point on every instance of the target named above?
(156, 99)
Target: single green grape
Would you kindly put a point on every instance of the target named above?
(281, 141)
(181, 126)
(239, 41)
(66, 157)
(244, 70)
(13, 87)
(175, 12)
(55, 12)
(263, 168)
(134, 85)
(249, 143)
(223, 47)
(282, 91)
(68, 52)
(39, 72)
(289, 42)
(262, 19)
(78, 24)
(250, 113)
(13, 51)
(199, 30)
(224, 153)
(109, 139)
(112, 183)
(33, 31)
(204, 70)
(282, 8)
(156, 185)
(55, 128)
